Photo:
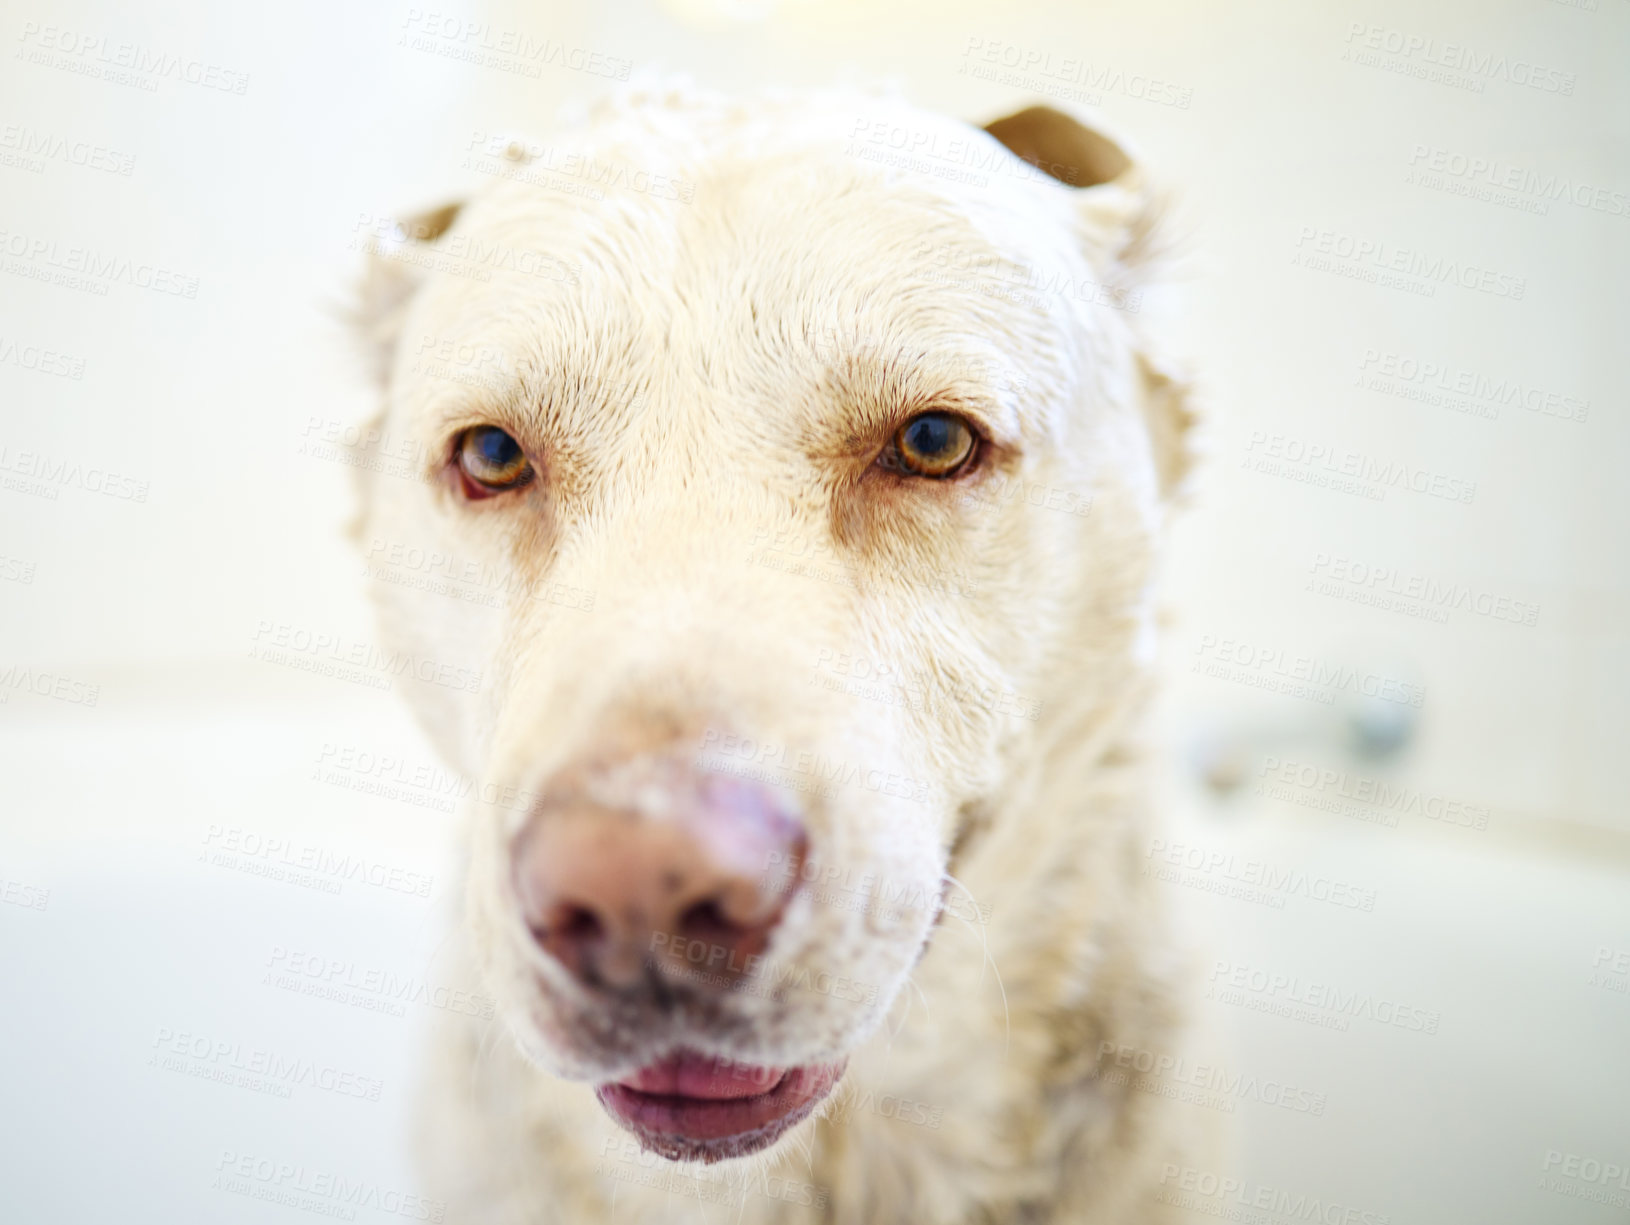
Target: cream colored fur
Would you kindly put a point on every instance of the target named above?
(706, 379)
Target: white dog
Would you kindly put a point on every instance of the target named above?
(822, 450)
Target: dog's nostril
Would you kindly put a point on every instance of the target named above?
(707, 920)
(612, 893)
(572, 924)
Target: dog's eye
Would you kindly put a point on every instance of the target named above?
(490, 461)
(931, 444)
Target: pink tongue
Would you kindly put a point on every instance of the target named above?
(702, 1076)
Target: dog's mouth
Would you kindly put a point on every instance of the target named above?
(691, 1107)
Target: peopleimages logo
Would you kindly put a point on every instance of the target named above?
(1230, 1087)
(1463, 390)
(858, 888)
(722, 966)
(378, 989)
(494, 583)
(1071, 77)
(1258, 874)
(173, 1049)
(1495, 174)
(975, 149)
(424, 784)
(331, 654)
(85, 268)
(1189, 1188)
(1386, 586)
(20, 893)
(232, 846)
(1373, 258)
(455, 254)
(18, 679)
(589, 170)
(1610, 969)
(821, 770)
(1232, 658)
(1235, 983)
(41, 360)
(860, 676)
(1281, 779)
(517, 51)
(52, 475)
(1586, 1178)
(1588, 1169)
(1457, 57)
(96, 56)
(38, 147)
(298, 1186)
(1317, 463)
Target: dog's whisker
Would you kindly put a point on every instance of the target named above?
(806, 1145)
(899, 1014)
(484, 1046)
(763, 1187)
(928, 1012)
(1007, 1018)
(978, 928)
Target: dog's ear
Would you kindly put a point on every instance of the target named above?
(1120, 226)
(1114, 203)
(390, 277)
(1065, 146)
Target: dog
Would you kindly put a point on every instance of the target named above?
(818, 450)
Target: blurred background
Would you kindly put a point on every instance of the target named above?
(1400, 636)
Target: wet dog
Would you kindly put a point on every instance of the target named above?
(818, 449)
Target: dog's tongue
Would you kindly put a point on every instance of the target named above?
(703, 1076)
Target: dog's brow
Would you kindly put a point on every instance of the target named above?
(530, 394)
(884, 385)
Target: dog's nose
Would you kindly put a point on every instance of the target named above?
(687, 874)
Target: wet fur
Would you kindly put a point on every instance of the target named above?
(707, 371)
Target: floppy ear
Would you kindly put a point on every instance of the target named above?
(1120, 219)
(1062, 145)
(391, 276)
(389, 279)
(1115, 206)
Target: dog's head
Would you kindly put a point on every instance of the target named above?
(759, 487)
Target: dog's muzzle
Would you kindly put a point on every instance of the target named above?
(647, 876)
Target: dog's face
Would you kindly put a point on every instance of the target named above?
(784, 500)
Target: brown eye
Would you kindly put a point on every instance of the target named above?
(931, 444)
(490, 462)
